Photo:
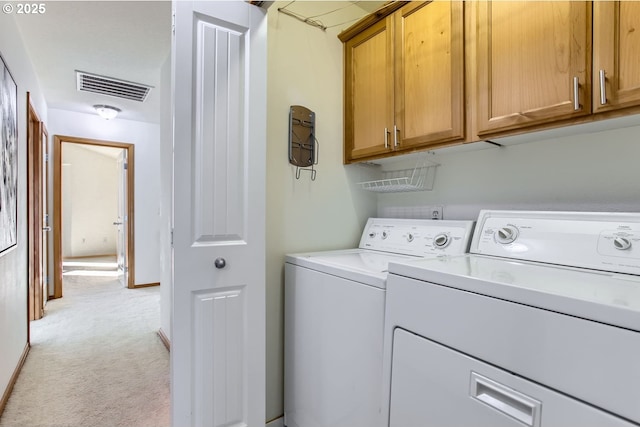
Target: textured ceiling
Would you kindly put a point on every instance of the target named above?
(336, 15)
(128, 40)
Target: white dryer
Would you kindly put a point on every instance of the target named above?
(334, 317)
(539, 325)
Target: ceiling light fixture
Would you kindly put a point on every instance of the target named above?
(107, 112)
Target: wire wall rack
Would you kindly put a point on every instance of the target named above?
(419, 178)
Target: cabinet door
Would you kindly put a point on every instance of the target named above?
(616, 49)
(429, 59)
(369, 92)
(534, 63)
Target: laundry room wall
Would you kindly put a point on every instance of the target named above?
(591, 170)
(13, 262)
(146, 139)
(305, 68)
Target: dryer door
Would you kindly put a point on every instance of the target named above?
(433, 385)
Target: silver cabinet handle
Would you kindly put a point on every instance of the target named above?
(220, 262)
(395, 136)
(386, 138)
(576, 94)
(603, 88)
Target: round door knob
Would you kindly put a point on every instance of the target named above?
(220, 263)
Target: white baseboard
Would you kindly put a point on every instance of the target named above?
(278, 422)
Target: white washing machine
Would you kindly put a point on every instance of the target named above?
(539, 325)
(334, 317)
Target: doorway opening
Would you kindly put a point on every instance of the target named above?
(121, 218)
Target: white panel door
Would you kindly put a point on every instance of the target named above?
(121, 221)
(218, 313)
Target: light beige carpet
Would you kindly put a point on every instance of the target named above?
(95, 361)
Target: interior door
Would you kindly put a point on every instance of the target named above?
(46, 227)
(121, 221)
(218, 304)
(35, 234)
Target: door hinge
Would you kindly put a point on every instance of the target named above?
(46, 157)
(125, 166)
(173, 23)
(172, 237)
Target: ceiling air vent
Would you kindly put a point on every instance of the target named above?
(103, 85)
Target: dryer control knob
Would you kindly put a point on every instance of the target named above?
(372, 234)
(621, 243)
(385, 234)
(506, 235)
(441, 241)
(409, 237)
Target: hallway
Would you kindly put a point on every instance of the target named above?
(95, 360)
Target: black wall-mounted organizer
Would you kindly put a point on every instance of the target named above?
(303, 145)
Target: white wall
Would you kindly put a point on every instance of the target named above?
(13, 264)
(596, 171)
(90, 201)
(146, 138)
(304, 68)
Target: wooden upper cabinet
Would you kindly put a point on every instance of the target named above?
(616, 55)
(369, 92)
(404, 80)
(429, 73)
(533, 63)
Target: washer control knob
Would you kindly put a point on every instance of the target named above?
(441, 241)
(372, 234)
(385, 235)
(621, 243)
(409, 237)
(506, 235)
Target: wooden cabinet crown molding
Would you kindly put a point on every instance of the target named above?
(370, 19)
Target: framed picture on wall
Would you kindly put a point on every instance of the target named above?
(8, 159)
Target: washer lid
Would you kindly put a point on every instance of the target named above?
(600, 296)
(361, 265)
